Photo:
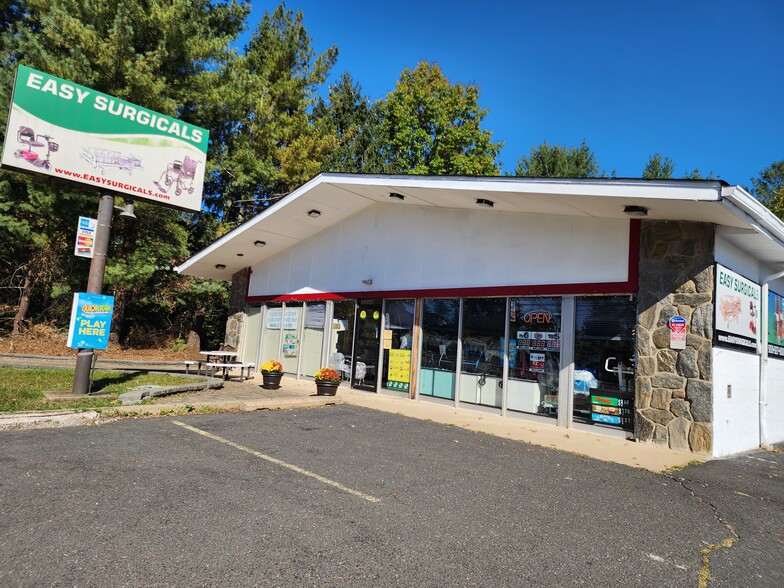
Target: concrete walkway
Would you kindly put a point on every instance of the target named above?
(249, 395)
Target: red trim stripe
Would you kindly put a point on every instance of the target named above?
(630, 286)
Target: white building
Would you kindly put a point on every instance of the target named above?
(647, 309)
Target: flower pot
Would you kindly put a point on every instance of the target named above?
(271, 380)
(327, 388)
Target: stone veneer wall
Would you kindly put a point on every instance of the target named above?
(674, 389)
(236, 319)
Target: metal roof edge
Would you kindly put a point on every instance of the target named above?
(414, 180)
(240, 229)
(759, 217)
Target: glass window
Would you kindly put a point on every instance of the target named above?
(270, 344)
(604, 361)
(534, 355)
(313, 337)
(482, 368)
(439, 347)
(291, 346)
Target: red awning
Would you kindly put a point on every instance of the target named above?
(307, 294)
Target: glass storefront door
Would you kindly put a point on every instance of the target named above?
(367, 340)
(604, 361)
(398, 335)
(341, 342)
(534, 355)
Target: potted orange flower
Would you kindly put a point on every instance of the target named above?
(271, 373)
(327, 381)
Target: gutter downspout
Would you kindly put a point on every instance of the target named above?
(763, 377)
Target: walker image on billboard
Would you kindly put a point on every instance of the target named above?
(61, 129)
(91, 320)
(737, 310)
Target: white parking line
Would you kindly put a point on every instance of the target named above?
(276, 461)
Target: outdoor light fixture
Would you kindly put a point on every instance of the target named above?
(635, 211)
(396, 196)
(368, 282)
(127, 211)
(259, 243)
(485, 202)
(314, 213)
(220, 266)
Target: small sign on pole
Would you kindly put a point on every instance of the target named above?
(85, 237)
(677, 332)
(91, 321)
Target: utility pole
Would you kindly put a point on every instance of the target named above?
(84, 357)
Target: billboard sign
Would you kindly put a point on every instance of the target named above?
(85, 237)
(737, 310)
(91, 320)
(71, 132)
(775, 325)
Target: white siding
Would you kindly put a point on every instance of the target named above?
(738, 261)
(405, 248)
(735, 419)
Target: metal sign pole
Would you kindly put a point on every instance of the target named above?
(85, 357)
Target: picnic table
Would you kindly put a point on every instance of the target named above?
(222, 360)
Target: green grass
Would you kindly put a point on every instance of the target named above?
(23, 389)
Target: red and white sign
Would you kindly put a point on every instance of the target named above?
(677, 332)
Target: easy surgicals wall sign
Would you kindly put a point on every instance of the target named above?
(61, 129)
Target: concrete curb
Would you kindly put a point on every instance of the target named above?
(223, 406)
(48, 419)
(138, 394)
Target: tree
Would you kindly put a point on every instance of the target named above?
(351, 117)
(768, 188)
(659, 167)
(264, 142)
(556, 161)
(431, 126)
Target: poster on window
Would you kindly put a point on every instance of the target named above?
(399, 369)
(290, 345)
(775, 325)
(290, 319)
(315, 313)
(737, 310)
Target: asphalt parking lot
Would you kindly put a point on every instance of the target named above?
(346, 496)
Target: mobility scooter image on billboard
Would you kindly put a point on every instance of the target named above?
(27, 137)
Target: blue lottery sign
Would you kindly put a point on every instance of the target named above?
(91, 320)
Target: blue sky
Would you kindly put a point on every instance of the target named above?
(701, 81)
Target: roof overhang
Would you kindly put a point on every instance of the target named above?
(748, 224)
